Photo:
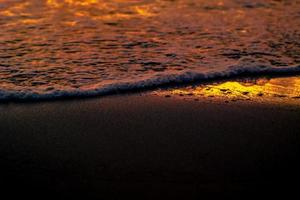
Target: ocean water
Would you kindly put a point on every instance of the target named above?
(282, 90)
(57, 48)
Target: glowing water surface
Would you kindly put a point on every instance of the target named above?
(280, 89)
(70, 47)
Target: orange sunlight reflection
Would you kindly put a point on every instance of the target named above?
(285, 89)
(58, 3)
(85, 45)
(89, 8)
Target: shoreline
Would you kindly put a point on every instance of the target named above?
(149, 145)
(149, 99)
(279, 91)
(241, 87)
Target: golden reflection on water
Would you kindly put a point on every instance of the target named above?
(58, 3)
(285, 89)
(114, 8)
(90, 9)
(68, 45)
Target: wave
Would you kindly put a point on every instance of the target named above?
(150, 83)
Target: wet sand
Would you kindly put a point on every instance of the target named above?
(280, 90)
(214, 140)
(148, 146)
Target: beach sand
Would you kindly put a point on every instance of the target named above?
(159, 133)
(148, 146)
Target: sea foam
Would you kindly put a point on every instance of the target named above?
(60, 49)
(151, 83)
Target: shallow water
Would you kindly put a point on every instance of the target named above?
(283, 90)
(55, 48)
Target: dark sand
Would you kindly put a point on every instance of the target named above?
(149, 146)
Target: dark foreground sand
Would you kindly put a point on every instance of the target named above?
(148, 146)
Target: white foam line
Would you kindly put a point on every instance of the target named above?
(185, 77)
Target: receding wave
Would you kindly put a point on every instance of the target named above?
(76, 48)
(151, 83)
